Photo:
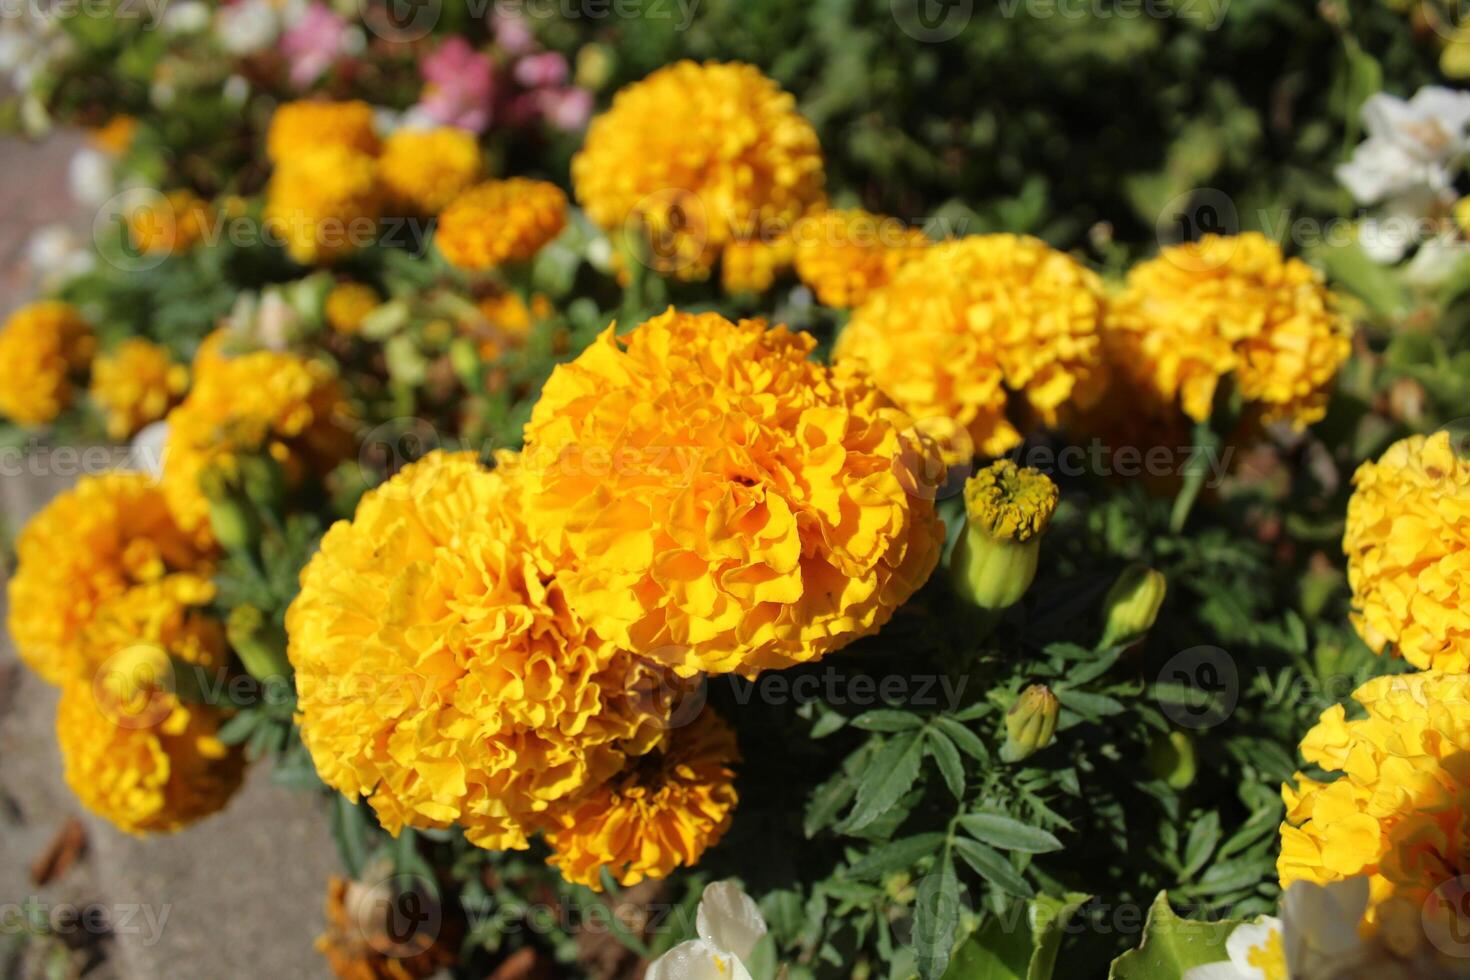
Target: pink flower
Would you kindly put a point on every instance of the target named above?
(459, 86)
(313, 43)
(513, 33)
(545, 70)
(566, 109)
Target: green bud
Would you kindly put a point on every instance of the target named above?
(232, 516)
(1172, 758)
(260, 643)
(1132, 605)
(466, 362)
(1007, 510)
(1030, 724)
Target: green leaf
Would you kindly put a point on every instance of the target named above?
(886, 720)
(762, 962)
(829, 798)
(1172, 945)
(993, 867)
(892, 772)
(1019, 943)
(947, 758)
(1009, 834)
(895, 856)
(1203, 837)
(1095, 668)
(968, 742)
(937, 914)
(1089, 706)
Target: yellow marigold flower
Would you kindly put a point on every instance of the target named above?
(1228, 305)
(307, 125)
(172, 223)
(135, 384)
(423, 170)
(440, 670)
(348, 304)
(323, 202)
(985, 330)
(1399, 809)
(702, 156)
(88, 548)
(144, 761)
(729, 504)
(500, 221)
(752, 266)
(115, 135)
(1408, 548)
(287, 407)
(844, 256)
(662, 813)
(42, 345)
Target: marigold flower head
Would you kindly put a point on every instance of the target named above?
(172, 223)
(1010, 502)
(663, 812)
(729, 505)
(422, 170)
(752, 266)
(1228, 305)
(988, 331)
(1398, 810)
(145, 773)
(42, 346)
(309, 124)
(348, 304)
(88, 548)
(1408, 548)
(844, 256)
(323, 202)
(280, 405)
(442, 674)
(136, 384)
(500, 221)
(702, 155)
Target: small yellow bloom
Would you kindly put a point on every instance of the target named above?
(1408, 548)
(42, 347)
(1007, 509)
(116, 135)
(727, 503)
(421, 171)
(305, 125)
(844, 256)
(753, 266)
(348, 304)
(984, 331)
(135, 384)
(171, 225)
(323, 203)
(701, 155)
(500, 221)
(662, 813)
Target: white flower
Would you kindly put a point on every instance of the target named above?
(145, 452)
(1413, 147)
(188, 17)
(90, 177)
(57, 254)
(729, 925)
(1316, 936)
(1436, 260)
(246, 27)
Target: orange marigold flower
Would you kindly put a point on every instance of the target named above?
(421, 171)
(500, 221)
(322, 203)
(88, 549)
(442, 674)
(135, 384)
(42, 347)
(171, 223)
(1228, 306)
(752, 266)
(663, 812)
(363, 942)
(1408, 548)
(728, 504)
(844, 256)
(309, 124)
(989, 331)
(280, 405)
(701, 155)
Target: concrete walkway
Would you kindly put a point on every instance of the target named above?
(238, 895)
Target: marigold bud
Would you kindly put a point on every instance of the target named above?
(1030, 724)
(260, 643)
(1007, 509)
(1132, 605)
(1172, 758)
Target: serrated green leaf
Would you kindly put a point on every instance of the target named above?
(895, 856)
(947, 758)
(1204, 835)
(937, 915)
(886, 720)
(968, 742)
(993, 867)
(1009, 834)
(887, 779)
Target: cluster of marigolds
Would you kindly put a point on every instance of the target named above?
(502, 646)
